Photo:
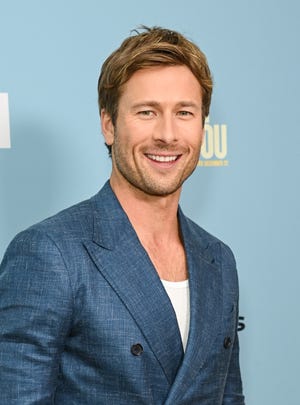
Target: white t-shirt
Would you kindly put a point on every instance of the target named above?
(179, 294)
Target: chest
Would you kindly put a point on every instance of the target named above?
(169, 261)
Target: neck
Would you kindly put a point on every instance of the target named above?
(154, 218)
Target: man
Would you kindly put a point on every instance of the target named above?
(121, 299)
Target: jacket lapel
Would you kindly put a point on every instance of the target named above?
(205, 309)
(125, 265)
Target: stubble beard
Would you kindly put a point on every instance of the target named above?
(140, 179)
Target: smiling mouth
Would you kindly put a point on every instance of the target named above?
(163, 159)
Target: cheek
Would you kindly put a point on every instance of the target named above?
(195, 140)
(191, 132)
(134, 135)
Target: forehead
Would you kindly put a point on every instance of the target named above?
(163, 83)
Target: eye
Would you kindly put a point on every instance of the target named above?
(184, 113)
(146, 113)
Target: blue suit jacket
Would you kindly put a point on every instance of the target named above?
(85, 318)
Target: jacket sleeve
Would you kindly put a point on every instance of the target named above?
(35, 316)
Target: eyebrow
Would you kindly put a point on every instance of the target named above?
(156, 104)
(189, 104)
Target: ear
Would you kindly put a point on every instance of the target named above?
(107, 127)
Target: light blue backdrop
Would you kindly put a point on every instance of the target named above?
(50, 55)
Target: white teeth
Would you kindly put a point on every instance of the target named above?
(162, 158)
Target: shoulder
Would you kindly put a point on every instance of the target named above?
(67, 226)
(211, 248)
(74, 219)
(208, 241)
(64, 233)
(72, 222)
(50, 253)
(218, 254)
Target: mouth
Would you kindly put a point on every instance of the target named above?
(163, 158)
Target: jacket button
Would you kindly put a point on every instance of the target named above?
(227, 342)
(137, 349)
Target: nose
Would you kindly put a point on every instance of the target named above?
(165, 130)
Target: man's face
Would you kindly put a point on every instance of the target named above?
(158, 133)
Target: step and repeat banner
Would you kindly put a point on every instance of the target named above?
(246, 188)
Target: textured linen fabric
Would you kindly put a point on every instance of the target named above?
(84, 318)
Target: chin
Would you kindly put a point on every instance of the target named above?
(160, 191)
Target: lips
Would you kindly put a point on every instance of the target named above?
(163, 159)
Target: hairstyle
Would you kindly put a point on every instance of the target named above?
(150, 47)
